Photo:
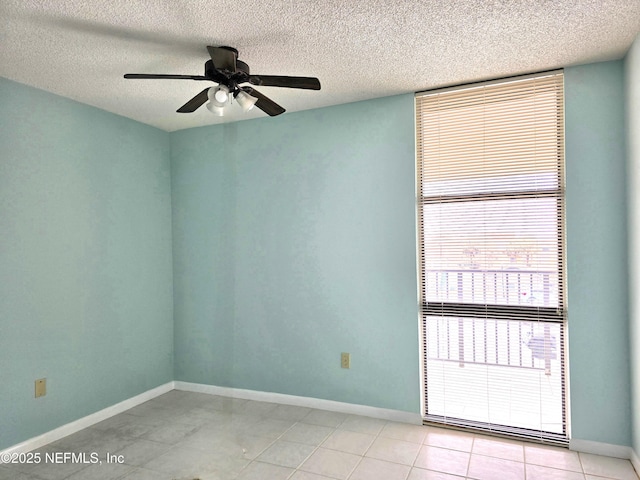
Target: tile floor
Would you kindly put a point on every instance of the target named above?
(186, 436)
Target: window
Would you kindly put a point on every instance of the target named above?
(490, 173)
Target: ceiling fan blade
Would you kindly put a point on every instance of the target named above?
(265, 104)
(309, 83)
(223, 58)
(175, 77)
(195, 103)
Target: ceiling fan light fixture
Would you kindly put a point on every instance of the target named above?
(217, 110)
(245, 100)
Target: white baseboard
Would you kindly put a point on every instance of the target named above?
(84, 422)
(635, 461)
(599, 448)
(310, 402)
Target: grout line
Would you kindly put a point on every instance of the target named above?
(582, 465)
(362, 457)
(473, 441)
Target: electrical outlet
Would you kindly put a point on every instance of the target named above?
(345, 360)
(41, 387)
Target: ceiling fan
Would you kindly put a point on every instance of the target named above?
(231, 76)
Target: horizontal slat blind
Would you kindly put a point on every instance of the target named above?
(490, 160)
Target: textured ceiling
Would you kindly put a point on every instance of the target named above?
(359, 50)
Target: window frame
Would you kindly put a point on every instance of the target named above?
(496, 311)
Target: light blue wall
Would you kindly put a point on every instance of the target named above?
(632, 97)
(203, 199)
(294, 240)
(597, 253)
(85, 260)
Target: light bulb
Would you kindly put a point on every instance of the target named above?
(221, 94)
(218, 95)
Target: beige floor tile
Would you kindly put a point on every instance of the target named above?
(324, 418)
(497, 447)
(392, 450)
(300, 475)
(359, 424)
(404, 431)
(286, 454)
(269, 427)
(372, 469)
(445, 438)
(170, 433)
(491, 468)
(615, 468)
(554, 457)
(142, 451)
(102, 472)
(264, 471)
(144, 474)
(350, 442)
(307, 434)
(289, 412)
(331, 463)
(421, 474)
(261, 409)
(537, 472)
(443, 460)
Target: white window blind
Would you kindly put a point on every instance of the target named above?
(490, 172)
